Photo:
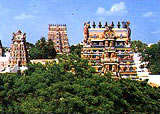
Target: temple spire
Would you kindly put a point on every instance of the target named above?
(106, 24)
(119, 25)
(112, 24)
(100, 25)
(94, 25)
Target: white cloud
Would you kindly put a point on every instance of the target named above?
(155, 32)
(24, 16)
(116, 9)
(148, 14)
(101, 11)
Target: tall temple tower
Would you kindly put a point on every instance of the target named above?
(108, 49)
(18, 50)
(58, 34)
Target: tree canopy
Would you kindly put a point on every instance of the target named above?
(138, 46)
(76, 49)
(71, 87)
(152, 56)
(41, 50)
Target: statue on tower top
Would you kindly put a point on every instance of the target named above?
(126, 25)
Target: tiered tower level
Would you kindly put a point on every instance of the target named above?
(58, 34)
(18, 50)
(108, 49)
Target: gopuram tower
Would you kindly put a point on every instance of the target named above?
(58, 34)
(108, 49)
(18, 50)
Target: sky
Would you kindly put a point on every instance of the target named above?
(34, 16)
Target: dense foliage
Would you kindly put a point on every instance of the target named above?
(76, 49)
(41, 50)
(150, 55)
(70, 87)
(138, 46)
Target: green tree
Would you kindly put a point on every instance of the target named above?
(42, 49)
(76, 49)
(71, 87)
(152, 56)
(138, 46)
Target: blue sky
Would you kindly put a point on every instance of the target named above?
(33, 17)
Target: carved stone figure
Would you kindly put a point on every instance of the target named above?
(107, 68)
(114, 68)
(97, 57)
(107, 55)
(102, 56)
(134, 68)
(129, 32)
(102, 69)
(127, 69)
(126, 25)
(106, 43)
(111, 44)
(101, 43)
(112, 55)
(122, 68)
(126, 42)
(86, 33)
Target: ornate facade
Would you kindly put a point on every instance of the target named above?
(58, 34)
(108, 49)
(18, 51)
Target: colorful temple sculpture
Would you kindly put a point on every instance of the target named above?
(58, 34)
(108, 49)
(18, 51)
